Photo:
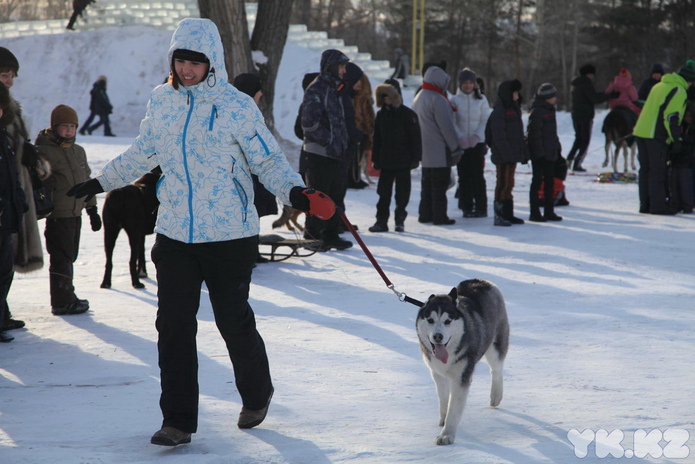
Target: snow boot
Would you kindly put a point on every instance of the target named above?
(249, 418)
(379, 227)
(549, 213)
(170, 436)
(508, 208)
(499, 215)
(536, 215)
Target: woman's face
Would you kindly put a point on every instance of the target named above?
(7, 78)
(467, 86)
(190, 72)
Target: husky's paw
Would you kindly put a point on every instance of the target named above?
(495, 400)
(444, 440)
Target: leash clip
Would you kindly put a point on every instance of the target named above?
(400, 295)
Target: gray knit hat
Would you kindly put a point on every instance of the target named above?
(546, 91)
(466, 74)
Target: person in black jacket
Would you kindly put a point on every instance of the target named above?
(584, 98)
(544, 147)
(396, 150)
(12, 206)
(99, 106)
(78, 6)
(653, 79)
(507, 147)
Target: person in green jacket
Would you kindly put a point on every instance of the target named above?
(658, 132)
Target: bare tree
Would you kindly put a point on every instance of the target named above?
(230, 18)
(269, 37)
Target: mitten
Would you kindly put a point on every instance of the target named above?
(614, 94)
(86, 189)
(298, 199)
(94, 219)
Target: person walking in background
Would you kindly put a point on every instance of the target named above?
(658, 130)
(326, 141)
(28, 253)
(348, 91)
(402, 67)
(68, 167)
(654, 77)
(440, 146)
(544, 147)
(99, 106)
(507, 148)
(584, 99)
(13, 204)
(682, 164)
(207, 227)
(78, 7)
(396, 151)
(472, 113)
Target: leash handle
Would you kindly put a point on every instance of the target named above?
(401, 296)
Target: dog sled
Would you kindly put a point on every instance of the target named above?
(275, 248)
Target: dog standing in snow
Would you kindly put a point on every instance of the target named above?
(455, 332)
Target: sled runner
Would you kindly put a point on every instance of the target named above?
(277, 248)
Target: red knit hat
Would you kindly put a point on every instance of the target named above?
(625, 73)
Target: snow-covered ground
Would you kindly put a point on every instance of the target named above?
(600, 306)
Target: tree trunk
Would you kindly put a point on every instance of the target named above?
(230, 18)
(269, 37)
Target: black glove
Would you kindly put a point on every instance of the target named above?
(86, 189)
(298, 199)
(94, 218)
(614, 94)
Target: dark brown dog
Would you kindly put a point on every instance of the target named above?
(289, 218)
(132, 208)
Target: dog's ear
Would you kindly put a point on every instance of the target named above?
(431, 296)
(453, 294)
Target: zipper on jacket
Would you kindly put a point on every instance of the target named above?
(265, 146)
(185, 166)
(213, 116)
(242, 195)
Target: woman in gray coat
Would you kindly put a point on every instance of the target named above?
(440, 146)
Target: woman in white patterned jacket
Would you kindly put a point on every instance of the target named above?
(208, 139)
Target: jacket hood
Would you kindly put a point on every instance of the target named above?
(622, 82)
(389, 91)
(331, 57)
(674, 79)
(200, 35)
(436, 76)
(506, 90)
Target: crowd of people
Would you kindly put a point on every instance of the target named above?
(210, 140)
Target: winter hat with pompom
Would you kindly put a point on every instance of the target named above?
(546, 91)
(625, 73)
(687, 72)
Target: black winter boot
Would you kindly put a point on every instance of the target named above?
(536, 215)
(499, 215)
(549, 214)
(508, 206)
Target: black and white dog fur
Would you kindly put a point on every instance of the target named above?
(455, 332)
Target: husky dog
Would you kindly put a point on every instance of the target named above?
(455, 331)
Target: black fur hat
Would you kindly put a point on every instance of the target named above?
(248, 83)
(587, 69)
(8, 60)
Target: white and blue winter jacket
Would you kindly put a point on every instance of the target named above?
(208, 139)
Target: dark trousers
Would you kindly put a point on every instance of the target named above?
(653, 156)
(63, 244)
(330, 177)
(103, 119)
(433, 201)
(471, 174)
(543, 173)
(582, 138)
(6, 272)
(384, 188)
(505, 182)
(681, 187)
(225, 267)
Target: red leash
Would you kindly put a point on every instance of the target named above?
(401, 296)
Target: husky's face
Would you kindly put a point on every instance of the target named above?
(440, 326)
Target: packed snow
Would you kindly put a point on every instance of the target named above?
(600, 307)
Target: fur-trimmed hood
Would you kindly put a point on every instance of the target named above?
(389, 91)
(7, 105)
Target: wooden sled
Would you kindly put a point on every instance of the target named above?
(281, 248)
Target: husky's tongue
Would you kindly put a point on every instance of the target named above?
(441, 353)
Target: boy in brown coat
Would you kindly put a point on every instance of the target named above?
(69, 167)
